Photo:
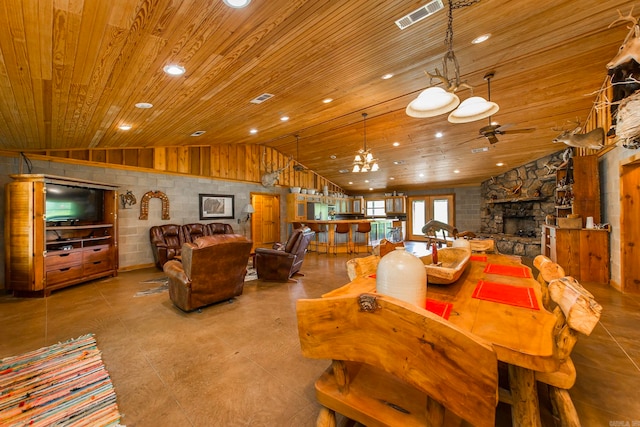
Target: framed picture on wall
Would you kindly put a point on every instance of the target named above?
(216, 206)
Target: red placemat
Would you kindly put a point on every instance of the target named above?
(508, 270)
(442, 309)
(506, 294)
(481, 258)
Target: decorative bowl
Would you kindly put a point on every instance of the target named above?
(311, 191)
(295, 189)
(451, 264)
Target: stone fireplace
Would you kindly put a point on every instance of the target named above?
(515, 205)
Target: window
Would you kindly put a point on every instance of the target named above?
(426, 208)
(375, 208)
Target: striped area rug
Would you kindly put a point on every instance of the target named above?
(65, 384)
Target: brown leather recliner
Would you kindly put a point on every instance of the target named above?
(167, 240)
(212, 270)
(280, 264)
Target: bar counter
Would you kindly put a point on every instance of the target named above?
(380, 227)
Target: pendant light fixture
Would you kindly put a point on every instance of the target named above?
(434, 101)
(364, 160)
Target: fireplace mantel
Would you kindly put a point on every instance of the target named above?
(517, 200)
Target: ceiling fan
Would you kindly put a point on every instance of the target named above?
(492, 130)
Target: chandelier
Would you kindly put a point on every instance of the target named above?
(364, 160)
(434, 101)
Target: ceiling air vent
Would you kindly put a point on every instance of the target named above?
(479, 150)
(260, 99)
(419, 14)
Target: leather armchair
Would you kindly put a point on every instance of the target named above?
(166, 242)
(212, 270)
(280, 264)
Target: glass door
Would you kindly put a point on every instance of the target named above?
(425, 208)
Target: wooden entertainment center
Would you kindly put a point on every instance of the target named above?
(42, 254)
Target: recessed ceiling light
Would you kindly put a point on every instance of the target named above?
(399, 162)
(456, 171)
(350, 182)
(143, 105)
(198, 132)
(439, 134)
(480, 39)
(370, 189)
(327, 100)
(237, 4)
(332, 157)
(387, 76)
(499, 164)
(284, 118)
(124, 127)
(366, 180)
(391, 178)
(174, 70)
(421, 175)
(395, 144)
(253, 131)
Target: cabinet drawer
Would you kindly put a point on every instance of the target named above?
(95, 253)
(56, 261)
(94, 267)
(63, 274)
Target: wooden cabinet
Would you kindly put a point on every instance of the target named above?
(583, 253)
(44, 255)
(395, 205)
(296, 207)
(357, 205)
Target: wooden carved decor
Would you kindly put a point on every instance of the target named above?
(144, 204)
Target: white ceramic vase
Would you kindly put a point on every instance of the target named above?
(402, 275)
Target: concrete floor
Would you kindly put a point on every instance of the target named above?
(239, 363)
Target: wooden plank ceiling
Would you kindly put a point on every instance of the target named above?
(71, 72)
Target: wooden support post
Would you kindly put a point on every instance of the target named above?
(525, 410)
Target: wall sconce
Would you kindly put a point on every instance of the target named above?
(248, 209)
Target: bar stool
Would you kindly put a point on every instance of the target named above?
(319, 229)
(342, 228)
(363, 228)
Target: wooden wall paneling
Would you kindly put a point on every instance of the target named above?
(145, 157)
(205, 161)
(215, 161)
(99, 156)
(79, 155)
(59, 153)
(254, 163)
(224, 161)
(239, 162)
(630, 226)
(183, 159)
(172, 159)
(195, 167)
(114, 157)
(160, 158)
(130, 157)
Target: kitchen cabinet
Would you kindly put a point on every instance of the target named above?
(582, 253)
(395, 205)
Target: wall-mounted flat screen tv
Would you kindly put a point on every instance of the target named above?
(74, 205)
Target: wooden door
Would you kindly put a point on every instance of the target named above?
(630, 227)
(265, 223)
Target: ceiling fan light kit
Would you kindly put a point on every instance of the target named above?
(472, 109)
(432, 102)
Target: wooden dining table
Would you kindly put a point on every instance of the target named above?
(521, 336)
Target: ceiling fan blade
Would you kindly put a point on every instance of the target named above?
(526, 130)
